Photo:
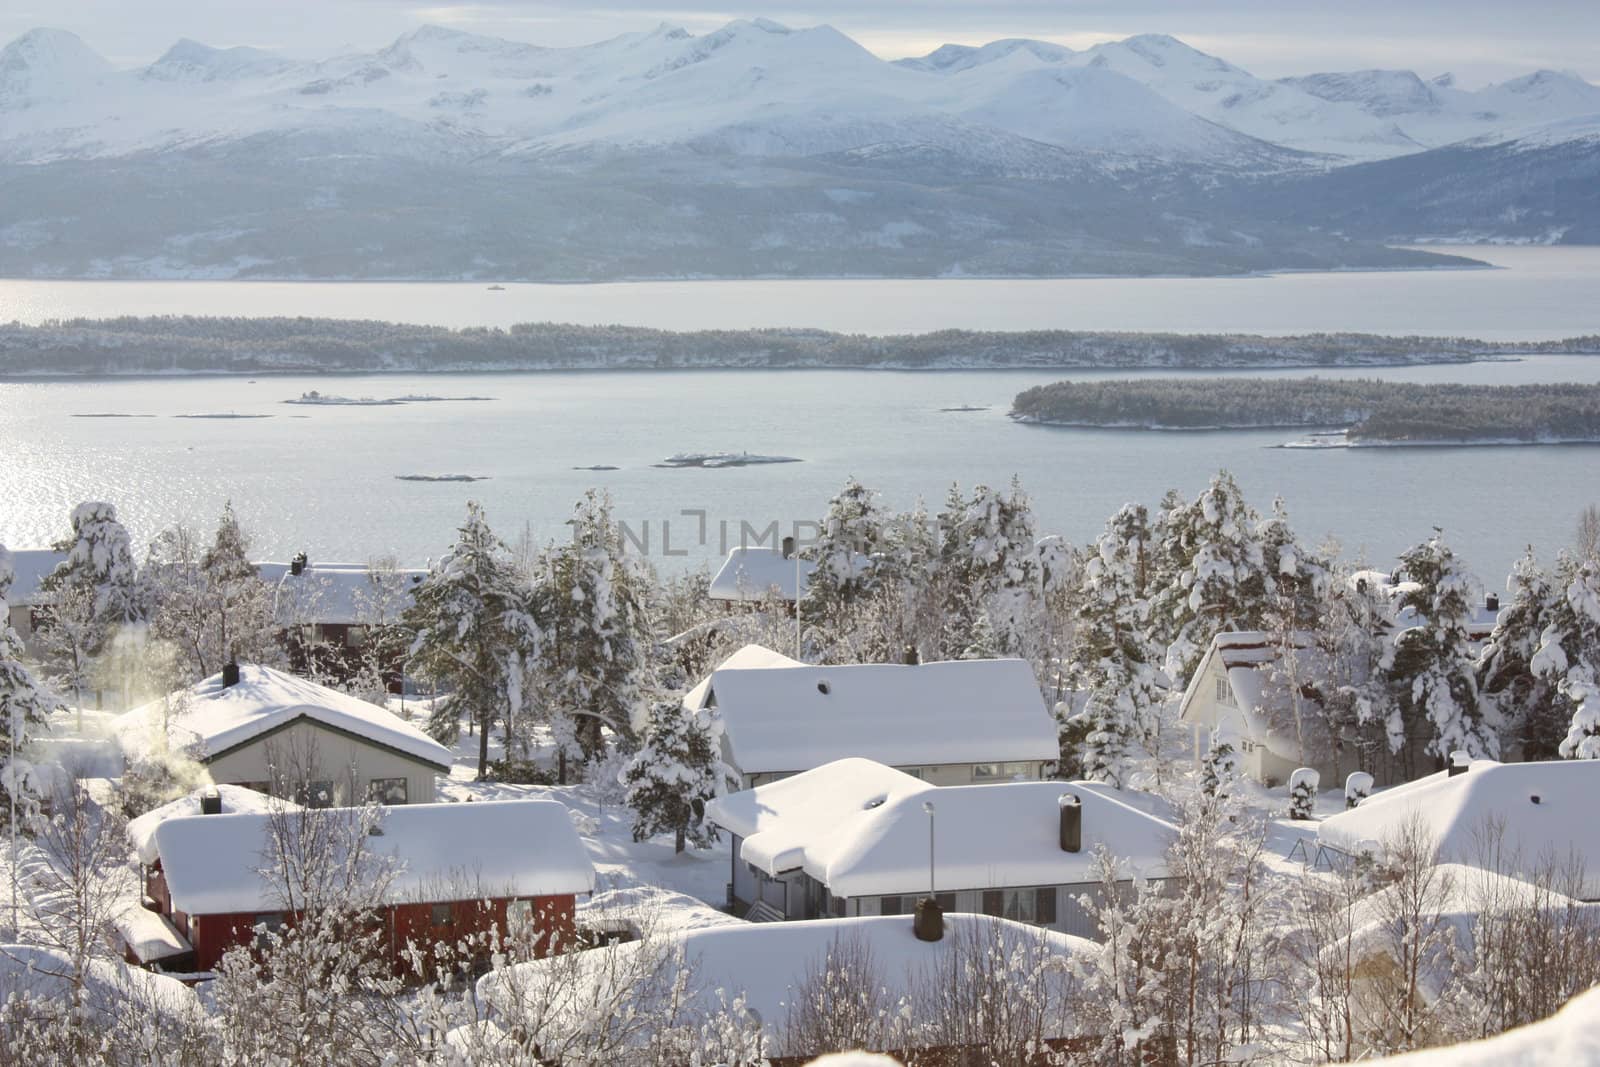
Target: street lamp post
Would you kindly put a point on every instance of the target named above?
(928, 925)
(927, 806)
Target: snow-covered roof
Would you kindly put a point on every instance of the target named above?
(108, 985)
(149, 935)
(860, 828)
(217, 718)
(792, 718)
(332, 593)
(769, 963)
(753, 572)
(31, 566)
(750, 657)
(442, 852)
(235, 799)
(1547, 811)
(1569, 1038)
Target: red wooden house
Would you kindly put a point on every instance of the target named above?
(449, 870)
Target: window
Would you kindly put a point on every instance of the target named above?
(386, 791)
(890, 906)
(998, 772)
(1021, 905)
(1224, 693)
(355, 637)
(946, 901)
(316, 794)
(443, 915)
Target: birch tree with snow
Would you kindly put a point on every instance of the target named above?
(211, 603)
(474, 630)
(677, 769)
(1430, 662)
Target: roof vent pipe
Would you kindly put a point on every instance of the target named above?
(1459, 762)
(297, 566)
(230, 674)
(911, 657)
(1492, 602)
(211, 801)
(1071, 822)
(788, 548)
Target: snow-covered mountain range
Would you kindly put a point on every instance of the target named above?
(752, 149)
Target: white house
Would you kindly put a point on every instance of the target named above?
(278, 733)
(769, 966)
(1245, 693)
(853, 838)
(1543, 810)
(949, 723)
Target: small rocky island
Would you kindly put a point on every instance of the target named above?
(1365, 411)
(721, 459)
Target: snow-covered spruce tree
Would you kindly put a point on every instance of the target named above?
(1295, 576)
(677, 769)
(1112, 658)
(1430, 663)
(595, 660)
(1568, 655)
(1350, 641)
(852, 533)
(1214, 574)
(1529, 705)
(90, 596)
(1583, 734)
(24, 702)
(474, 628)
(991, 559)
(1220, 767)
(907, 605)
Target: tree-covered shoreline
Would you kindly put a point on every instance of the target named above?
(1370, 411)
(193, 345)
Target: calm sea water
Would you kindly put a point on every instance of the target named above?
(1540, 293)
(324, 479)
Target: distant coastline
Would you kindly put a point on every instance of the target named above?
(190, 345)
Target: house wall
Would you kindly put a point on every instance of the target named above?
(554, 919)
(932, 773)
(347, 762)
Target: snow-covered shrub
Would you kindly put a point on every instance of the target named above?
(1303, 792)
(1357, 787)
(1220, 767)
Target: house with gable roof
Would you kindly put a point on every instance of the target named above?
(856, 838)
(949, 723)
(282, 734)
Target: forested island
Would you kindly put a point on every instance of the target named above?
(199, 345)
(1370, 412)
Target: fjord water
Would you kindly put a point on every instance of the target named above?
(324, 479)
(1540, 294)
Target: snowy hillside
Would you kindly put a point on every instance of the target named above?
(756, 149)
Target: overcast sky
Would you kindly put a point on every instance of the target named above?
(1480, 40)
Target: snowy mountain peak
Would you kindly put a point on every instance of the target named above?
(46, 64)
(190, 60)
(1377, 92)
(953, 58)
(1447, 80)
(1160, 50)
